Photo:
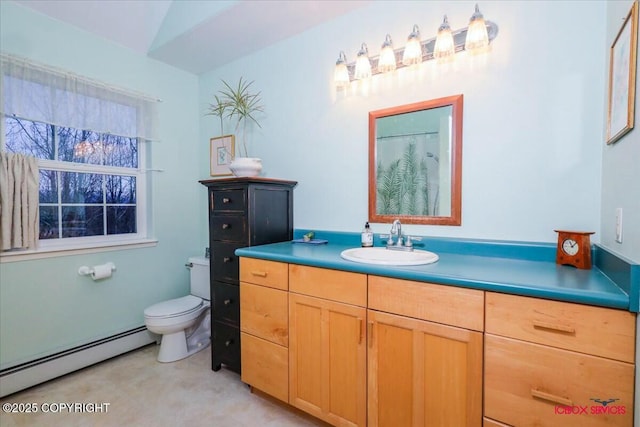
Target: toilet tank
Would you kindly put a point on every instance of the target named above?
(200, 277)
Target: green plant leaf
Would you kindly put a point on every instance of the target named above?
(241, 105)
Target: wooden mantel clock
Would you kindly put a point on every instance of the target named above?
(574, 248)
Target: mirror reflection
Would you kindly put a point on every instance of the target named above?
(414, 162)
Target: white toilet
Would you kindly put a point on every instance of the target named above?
(184, 323)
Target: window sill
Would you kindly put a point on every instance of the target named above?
(52, 252)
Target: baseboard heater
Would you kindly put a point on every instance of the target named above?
(37, 371)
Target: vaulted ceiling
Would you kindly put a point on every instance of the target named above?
(194, 35)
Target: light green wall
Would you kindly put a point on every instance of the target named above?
(621, 166)
(44, 305)
(533, 115)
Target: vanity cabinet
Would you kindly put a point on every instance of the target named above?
(327, 344)
(425, 359)
(550, 363)
(242, 212)
(364, 350)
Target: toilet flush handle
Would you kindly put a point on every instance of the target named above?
(189, 265)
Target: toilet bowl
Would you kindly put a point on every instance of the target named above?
(185, 322)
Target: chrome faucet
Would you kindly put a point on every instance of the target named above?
(402, 243)
(396, 228)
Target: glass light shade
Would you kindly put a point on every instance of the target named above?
(413, 50)
(444, 47)
(341, 73)
(477, 37)
(387, 59)
(363, 65)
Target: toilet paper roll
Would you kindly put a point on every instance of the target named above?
(101, 271)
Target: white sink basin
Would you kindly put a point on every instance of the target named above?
(384, 256)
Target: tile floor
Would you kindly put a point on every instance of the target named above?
(142, 392)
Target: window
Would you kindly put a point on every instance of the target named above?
(88, 180)
(90, 142)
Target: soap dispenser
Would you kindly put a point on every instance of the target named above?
(367, 236)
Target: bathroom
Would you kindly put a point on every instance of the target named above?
(534, 154)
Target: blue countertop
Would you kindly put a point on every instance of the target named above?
(520, 268)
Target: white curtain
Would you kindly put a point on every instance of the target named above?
(45, 94)
(18, 201)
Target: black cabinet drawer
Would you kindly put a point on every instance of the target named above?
(225, 347)
(226, 302)
(228, 200)
(225, 266)
(228, 227)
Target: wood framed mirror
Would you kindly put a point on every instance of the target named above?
(415, 163)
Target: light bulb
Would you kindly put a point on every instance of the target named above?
(444, 47)
(477, 37)
(387, 59)
(413, 50)
(341, 73)
(363, 65)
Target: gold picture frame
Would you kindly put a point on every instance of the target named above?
(221, 152)
(622, 78)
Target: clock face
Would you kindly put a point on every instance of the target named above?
(570, 247)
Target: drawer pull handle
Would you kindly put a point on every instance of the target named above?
(226, 200)
(551, 397)
(227, 343)
(259, 273)
(226, 226)
(226, 259)
(227, 302)
(553, 327)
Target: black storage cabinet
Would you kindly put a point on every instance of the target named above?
(242, 212)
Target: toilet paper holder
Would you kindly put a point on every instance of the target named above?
(89, 271)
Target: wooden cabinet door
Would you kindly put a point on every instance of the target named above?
(422, 373)
(327, 360)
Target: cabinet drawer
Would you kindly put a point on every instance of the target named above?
(228, 200)
(265, 366)
(264, 313)
(341, 286)
(266, 273)
(225, 345)
(599, 331)
(437, 303)
(229, 227)
(225, 262)
(226, 302)
(532, 385)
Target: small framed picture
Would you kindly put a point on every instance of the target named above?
(622, 78)
(222, 150)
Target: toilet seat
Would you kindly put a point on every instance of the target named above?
(174, 308)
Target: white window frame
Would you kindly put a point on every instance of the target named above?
(87, 244)
(48, 248)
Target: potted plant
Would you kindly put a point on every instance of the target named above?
(240, 104)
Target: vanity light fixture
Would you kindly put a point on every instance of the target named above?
(444, 47)
(413, 50)
(387, 60)
(363, 65)
(475, 38)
